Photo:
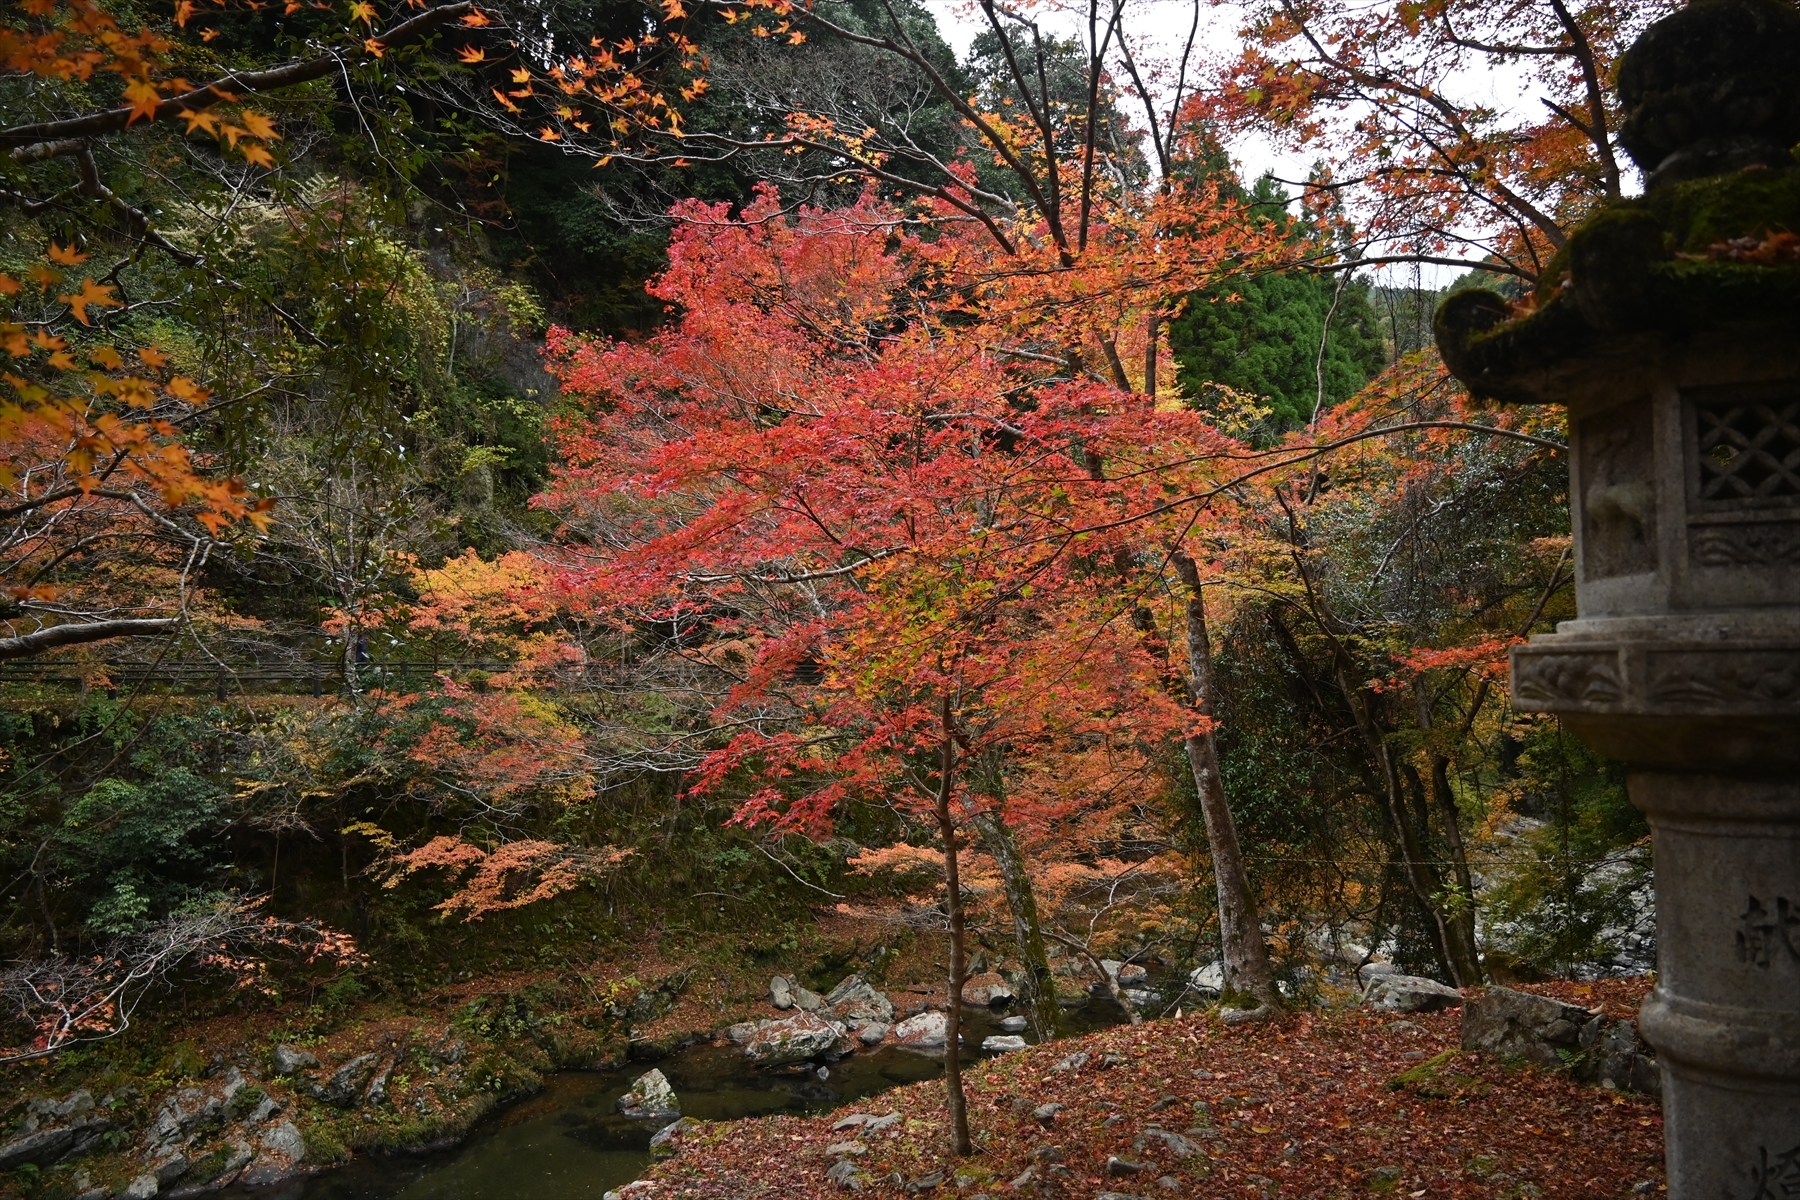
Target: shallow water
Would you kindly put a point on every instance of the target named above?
(568, 1143)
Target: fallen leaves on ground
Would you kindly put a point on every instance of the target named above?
(1314, 1105)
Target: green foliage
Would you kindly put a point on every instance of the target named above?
(1264, 335)
(1580, 873)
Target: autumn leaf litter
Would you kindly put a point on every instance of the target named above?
(1325, 1104)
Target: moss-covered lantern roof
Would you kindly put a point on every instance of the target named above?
(1712, 114)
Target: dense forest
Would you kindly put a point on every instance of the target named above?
(575, 496)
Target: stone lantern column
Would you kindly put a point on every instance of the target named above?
(1670, 328)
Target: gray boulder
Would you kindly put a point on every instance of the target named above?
(45, 1145)
(792, 1039)
(1181, 1147)
(285, 1140)
(855, 1001)
(1525, 1026)
(781, 992)
(650, 1098)
(662, 1142)
(268, 1170)
(1619, 1061)
(289, 1059)
(1002, 1043)
(73, 1105)
(850, 987)
(170, 1169)
(1208, 980)
(1550, 1033)
(283, 1150)
(872, 1033)
(927, 1031)
(988, 989)
(1410, 994)
(846, 1174)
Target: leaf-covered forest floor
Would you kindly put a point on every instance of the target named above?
(1319, 1103)
(1327, 1104)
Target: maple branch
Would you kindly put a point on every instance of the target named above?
(50, 139)
(1096, 55)
(1596, 96)
(1362, 81)
(1457, 39)
(1498, 268)
(135, 219)
(803, 577)
(911, 53)
(77, 633)
(1040, 113)
(1310, 454)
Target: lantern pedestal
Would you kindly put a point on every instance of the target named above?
(1670, 329)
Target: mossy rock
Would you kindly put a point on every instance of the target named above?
(245, 1099)
(1434, 1080)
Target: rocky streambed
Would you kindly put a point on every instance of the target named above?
(448, 1115)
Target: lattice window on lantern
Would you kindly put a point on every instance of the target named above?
(1748, 445)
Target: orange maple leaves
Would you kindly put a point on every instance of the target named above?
(510, 875)
(72, 403)
(73, 39)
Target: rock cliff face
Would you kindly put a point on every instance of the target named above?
(200, 1138)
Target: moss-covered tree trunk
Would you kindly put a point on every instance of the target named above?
(1038, 983)
(1245, 958)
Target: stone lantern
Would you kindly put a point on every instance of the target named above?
(1670, 329)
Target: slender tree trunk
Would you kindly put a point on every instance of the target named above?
(1154, 324)
(1462, 918)
(1120, 380)
(1421, 876)
(49, 921)
(959, 1106)
(1038, 982)
(1462, 914)
(1246, 960)
(1107, 977)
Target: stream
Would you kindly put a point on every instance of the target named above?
(568, 1143)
